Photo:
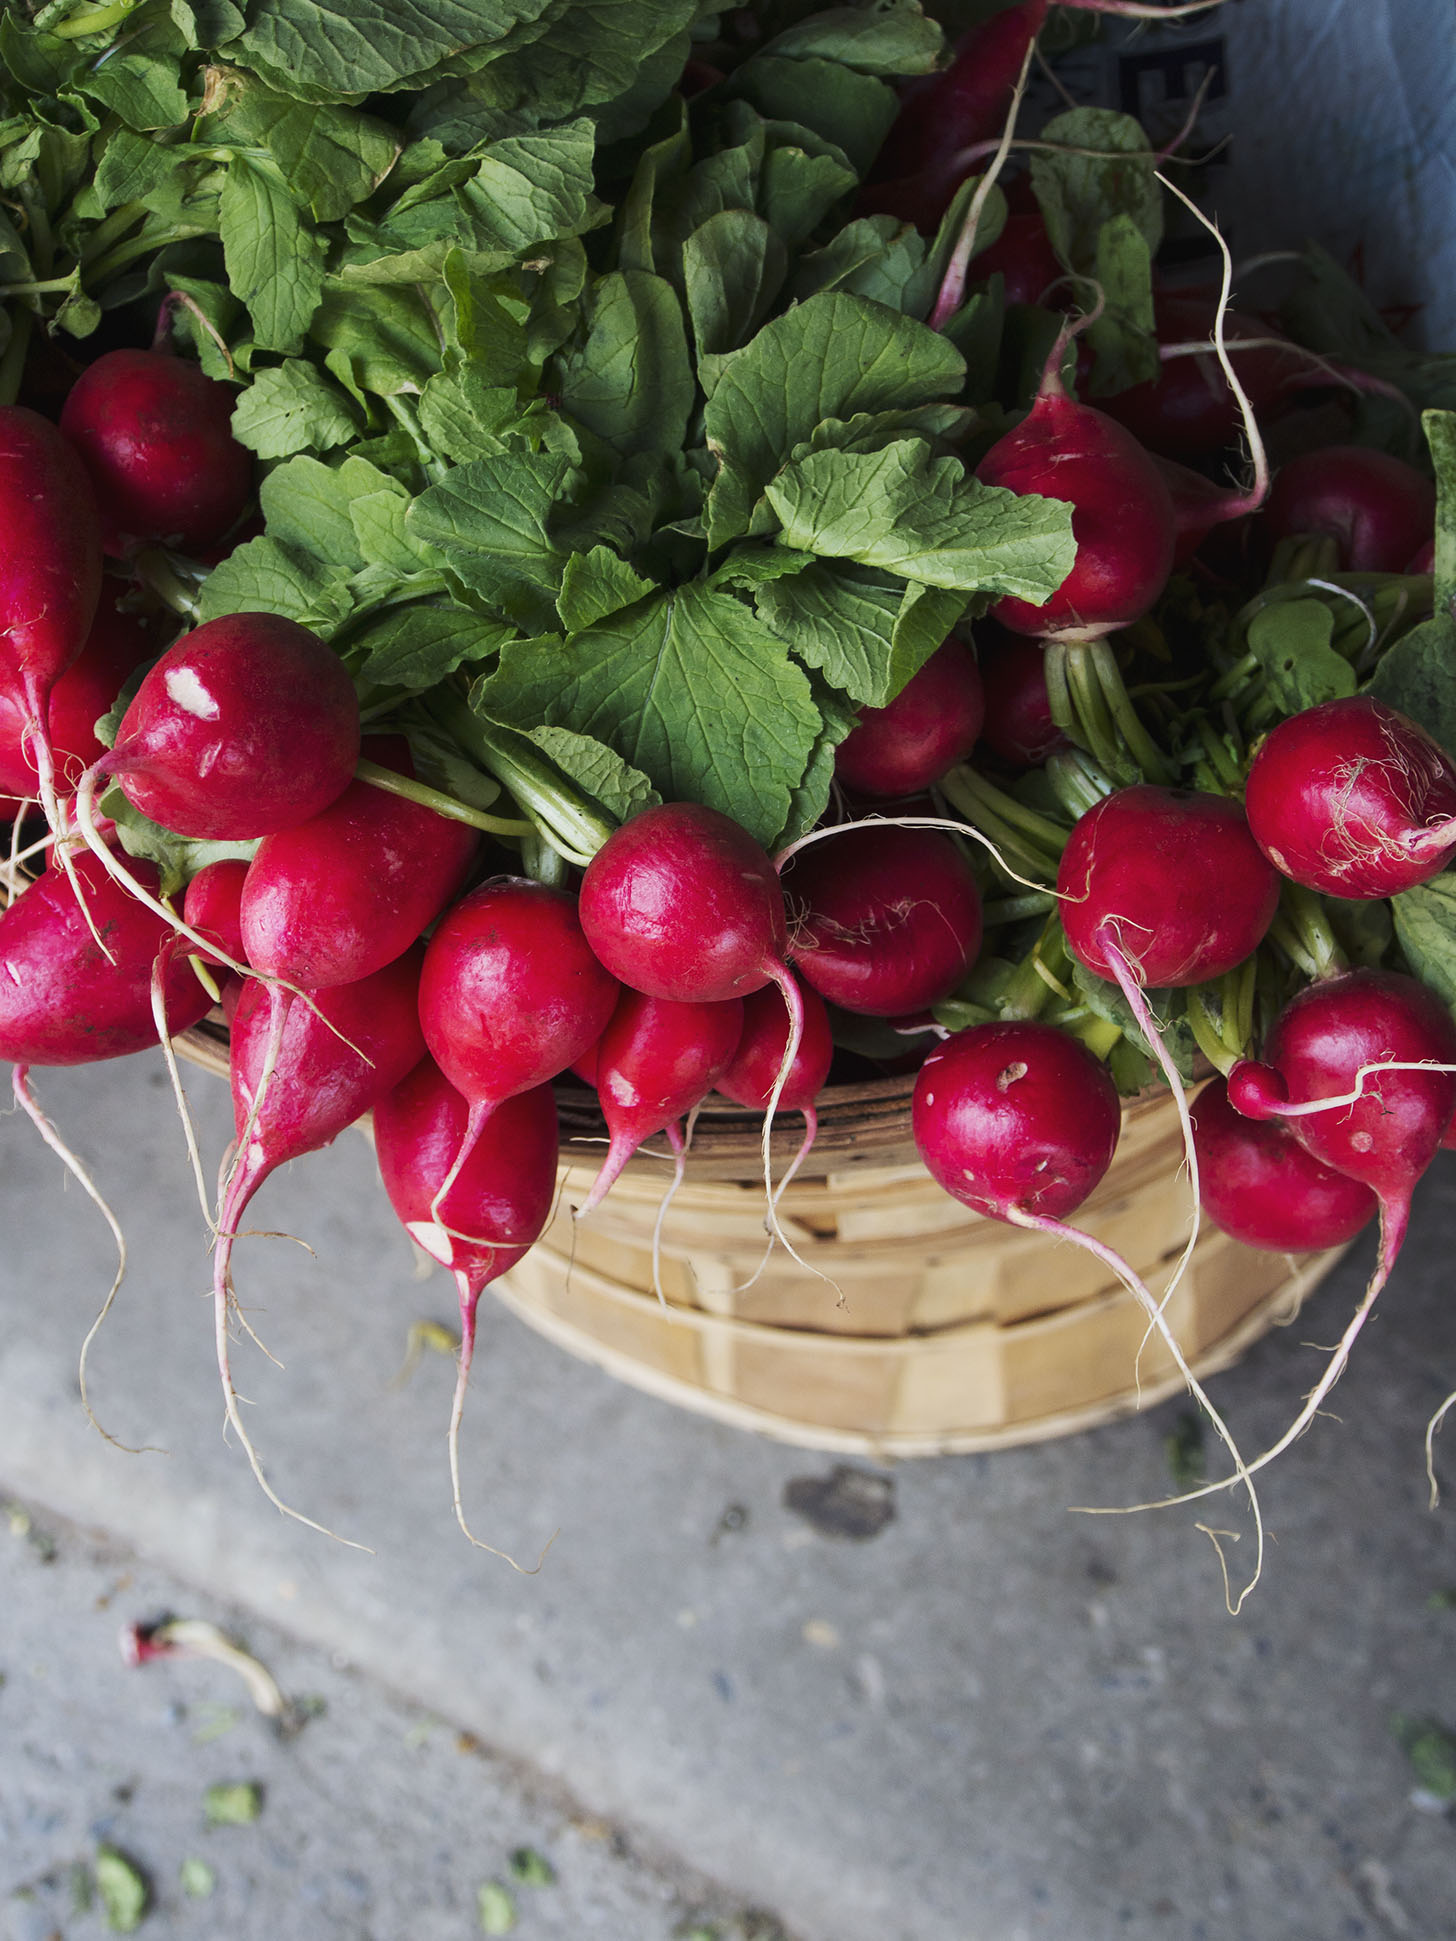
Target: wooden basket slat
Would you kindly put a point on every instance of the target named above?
(934, 1330)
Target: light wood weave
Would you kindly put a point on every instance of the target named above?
(932, 1328)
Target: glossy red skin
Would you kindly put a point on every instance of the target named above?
(657, 1059)
(917, 171)
(1378, 508)
(751, 1074)
(1170, 877)
(62, 1002)
(117, 644)
(503, 1194)
(1189, 411)
(1425, 560)
(1322, 1038)
(1019, 729)
(214, 905)
(512, 992)
(1339, 796)
(931, 724)
(681, 902)
(320, 1084)
(334, 899)
(1263, 1188)
(155, 434)
(247, 725)
(1015, 1116)
(891, 918)
(1122, 517)
(50, 556)
(1027, 263)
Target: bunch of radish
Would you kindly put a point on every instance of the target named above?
(1117, 838)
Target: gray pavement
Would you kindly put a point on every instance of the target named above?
(991, 1721)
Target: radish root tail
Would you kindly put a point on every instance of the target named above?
(25, 1098)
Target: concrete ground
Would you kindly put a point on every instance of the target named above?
(991, 1720)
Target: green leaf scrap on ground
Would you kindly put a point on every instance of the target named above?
(1431, 1750)
(532, 1869)
(233, 1803)
(197, 1879)
(123, 1889)
(495, 1908)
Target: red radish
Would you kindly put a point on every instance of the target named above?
(921, 164)
(50, 575)
(749, 1076)
(1019, 729)
(511, 995)
(117, 644)
(1361, 1068)
(213, 907)
(656, 1060)
(1264, 1188)
(1189, 410)
(891, 918)
(1379, 1022)
(1353, 798)
(1199, 505)
(155, 434)
(1138, 879)
(1122, 517)
(244, 727)
(1377, 507)
(63, 1000)
(302, 1070)
(1425, 560)
(931, 724)
(1165, 887)
(681, 903)
(491, 1211)
(1020, 1122)
(336, 898)
(1023, 256)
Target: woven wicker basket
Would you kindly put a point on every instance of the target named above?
(932, 1330)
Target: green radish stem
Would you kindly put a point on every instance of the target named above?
(393, 783)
